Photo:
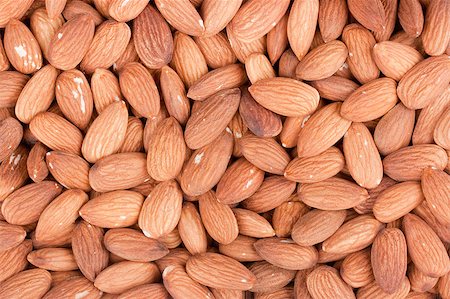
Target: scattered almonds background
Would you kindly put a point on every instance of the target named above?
(224, 149)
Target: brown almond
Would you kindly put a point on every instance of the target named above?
(13, 172)
(332, 18)
(216, 48)
(252, 224)
(12, 235)
(182, 15)
(356, 269)
(373, 290)
(435, 186)
(33, 283)
(410, 16)
(277, 39)
(286, 215)
(124, 11)
(15, 259)
(54, 259)
(258, 67)
(174, 95)
(370, 13)
(11, 84)
(325, 282)
(216, 14)
(191, 229)
(178, 283)
(270, 277)
(241, 249)
(72, 287)
(435, 35)
(10, 10)
(77, 7)
(44, 27)
(335, 88)
(242, 49)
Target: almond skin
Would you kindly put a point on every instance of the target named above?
(54, 259)
(317, 226)
(301, 26)
(11, 133)
(389, 259)
(110, 41)
(442, 126)
(167, 152)
(13, 172)
(105, 89)
(21, 47)
(414, 89)
(410, 16)
(293, 98)
(12, 10)
(335, 88)
(277, 39)
(361, 230)
(191, 229)
(362, 157)
(182, 15)
(218, 219)
(216, 49)
(15, 259)
(325, 282)
(270, 277)
(258, 67)
(11, 84)
(252, 224)
(139, 88)
(12, 235)
(72, 287)
(329, 56)
(133, 245)
(124, 11)
(325, 125)
(218, 271)
(370, 101)
(397, 201)
(37, 95)
(317, 168)
(435, 187)
(44, 27)
(332, 194)
(107, 133)
(435, 36)
(32, 283)
(178, 283)
(174, 95)
(69, 170)
(286, 215)
(211, 118)
(332, 18)
(156, 289)
(77, 7)
(241, 249)
(266, 13)
(409, 162)
(432, 259)
(88, 249)
(161, 210)
(152, 38)
(244, 49)
(356, 269)
(77, 31)
(216, 15)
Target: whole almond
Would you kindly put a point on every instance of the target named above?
(390, 10)
(77, 7)
(133, 245)
(182, 15)
(387, 138)
(167, 151)
(32, 283)
(191, 229)
(252, 224)
(356, 269)
(11, 133)
(360, 42)
(44, 27)
(15, 259)
(152, 38)
(435, 35)
(125, 275)
(72, 287)
(216, 49)
(410, 16)
(435, 187)
(133, 137)
(178, 283)
(286, 215)
(424, 211)
(373, 18)
(409, 162)
(397, 201)
(332, 18)
(432, 259)
(218, 219)
(389, 259)
(129, 55)
(161, 210)
(218, 271)
(77, 31)
(25, 205)
(373, 290)
(325, 125)
(11, 84)
(74, 97)
(419, 281)
(258, 67)
(329, 56)
(54, 259)
(13, 10)
(69, 170)
(206, 165)
(37, 95)
(124, 11)
(105, 89)
(293, 98)
(354, 235)
(370, 101)
(242, 49)
(414, 89)
(316, 226)
(277, 39)
(335, 88)
(12, 235)
(174, 95)
(270, 277)
(301, 25)
(139, 88)
(110, 41)
(36, 166)
(156, 289)
(13, 172)
(216, 15)
(54, 8)
(325, 282)
(241, 249)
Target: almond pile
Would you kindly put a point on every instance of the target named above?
(226, 149)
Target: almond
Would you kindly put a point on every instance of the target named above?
(13, 172)
(71, 287)
(408, 163)
(32, 283)
(218, 219)
(133, 137)
(216, 48)
(156, 289)
(182, 15)
(335, 88)
(325, 125)
(316, 226)
(435, 35)
(11, 84)
(373, 18)
(47, 128)
(360, 42)
(12, 10)
(21, 47)
(74, 97)
(129, 55)
(258, 67)
(397, 201)
(77, 7)
(286, 215)
(353, 235)
(54, 259)
(152, 38)
(424, 211)
(442, 127)
(178, 283)
(105, 89)
(107, 133)
(389, 259)
(4, 62)
(293, 98)
(216, 15)
(414, 89)
(356, 269)
(256, 18)
(161, 210)
(44, 27)
(167, 151)
(277, 39)
(25, 205)
(390, 10)
(435, 186)
(270, 277)
(329, 56)
(206, 165)
(11, 133)
(77, 31)
(209, 84)
(370, 101)
(410, 15)
(125, 275)
(241, 249)
(133, 245)
(332, 18)
(37, 95)
(174, 95)
(287, 65)
(11, 235)
(54, 8)
(419, 281)
(242, 49)
(325, 282)
(300, 288)
(432, 259)
(191, 229)
(107, 209)
(124, 11)
(218, 271)
(301, 26)
(110, 41)
(36, 166)
(69, 170)
(15, 259)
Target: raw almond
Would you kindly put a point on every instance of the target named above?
(270, 277)
(441, 131)
(370, 13)
(216, 15)
(356, 269)
(156, 289)
(11, 84)
(191, 229)
(373, 290)
(32, 283)
(410, 16)
(286, 215)
(435, 35)
(178, 283)
(124, 11)
(11, 235)
(105, 89)
(54, 259)
(69, 170)
(277, 39)
(12, 10)
(44, 27)
(332, 18)
(11, 133)
(15, 259)
(242, 49)
(216, 48)
(182, 15)
(13, 172)
(325, 282)
(174, 95)
(435, 186)
(77, 7)
(241, 249)
(36, 166)
(335, 88)
(72, 287)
